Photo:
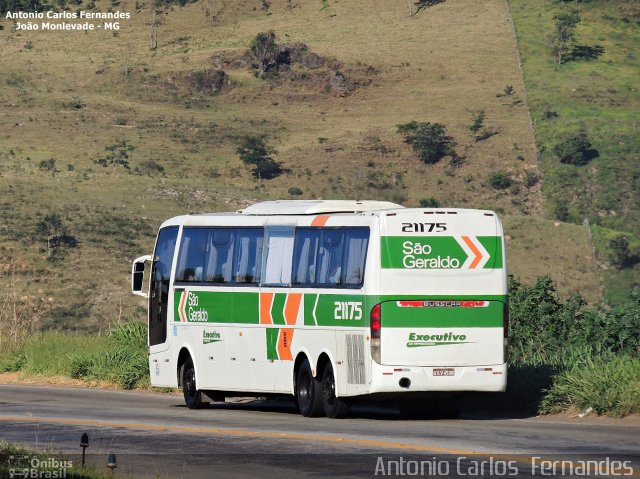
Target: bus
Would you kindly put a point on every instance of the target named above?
(330, 301)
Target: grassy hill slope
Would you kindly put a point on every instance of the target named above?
(70, 95)
(596, 91)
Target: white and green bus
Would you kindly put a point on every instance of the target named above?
(328, 301)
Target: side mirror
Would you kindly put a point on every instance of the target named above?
(137, 275)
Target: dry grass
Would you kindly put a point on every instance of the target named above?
(442, 65)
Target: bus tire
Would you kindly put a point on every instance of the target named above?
(334, 407)
(192, 396)
(308, 392)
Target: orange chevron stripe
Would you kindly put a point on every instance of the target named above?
(183, 300)
(284, 344)
(320, 220)
(291, 308)
(475, 251)
(265, 308)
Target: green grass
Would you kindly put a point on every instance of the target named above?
(608, 386)
(7, 450)
(118, 358)
(598, 95)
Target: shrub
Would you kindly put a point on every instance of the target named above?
(531, 179)
(478, 122)
(609, 386)
(428, 140)
(117, 155)
(254, 151)
(294, 191)
(429, 203)
(575, 149)
(500, 181)
(263, 52)
(619, 253)
(49, 166)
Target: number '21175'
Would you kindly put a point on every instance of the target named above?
(348, 310)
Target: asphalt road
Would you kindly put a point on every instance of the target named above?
(154, 435)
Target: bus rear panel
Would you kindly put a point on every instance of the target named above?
(440, 320)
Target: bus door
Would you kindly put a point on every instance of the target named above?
(160, 304)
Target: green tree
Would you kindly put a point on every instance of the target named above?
(429, 203)
(477, 124)
(562, 39)
(51, 227)
(428, 140)
(254, 151)
(575, 149)
(619, 252)
(500, 180)
(263, 52)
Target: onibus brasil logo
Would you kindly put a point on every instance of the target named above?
(444, 339)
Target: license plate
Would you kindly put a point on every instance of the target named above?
(444, 372)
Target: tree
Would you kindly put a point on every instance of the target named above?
(52, 227)
(619, 253)
(254, 151)
(264, 52)
(478, 123)
(575, 149)
(562, 39)
(428, 140)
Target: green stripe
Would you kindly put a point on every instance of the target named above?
(277, 309)
(394, 316)
(493, 245)
(272, 343)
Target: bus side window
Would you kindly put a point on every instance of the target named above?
(248, 255)
(305, 256)
(278, 262)
(330, 258)
(220, 255)
(355, 254)
(193, 251)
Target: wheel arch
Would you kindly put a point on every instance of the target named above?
(183, 355)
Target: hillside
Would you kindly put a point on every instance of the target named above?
(595, 90)
(80, 97)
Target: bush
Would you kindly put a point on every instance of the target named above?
(429, 203)
(264, 52)
(49, 166)
(254, 151)
(575, 149)
(531, 179)
(428, 140)
(500, 181)
(619, 253)
(609, 386)
(294, 191)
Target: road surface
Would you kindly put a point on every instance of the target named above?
(154, 435)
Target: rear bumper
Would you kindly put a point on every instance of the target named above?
(387, 379)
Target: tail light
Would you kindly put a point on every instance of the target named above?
(505, 330)
(376, 325)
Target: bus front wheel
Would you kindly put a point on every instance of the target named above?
(308, 392)
(333, 406)
(192, 396)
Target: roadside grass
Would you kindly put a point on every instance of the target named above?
(8, 463)
(609, 386)
(119, 358)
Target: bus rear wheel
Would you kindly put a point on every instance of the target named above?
(192, 396)
(308, 392)
(333, 406)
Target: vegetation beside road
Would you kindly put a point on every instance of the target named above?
(562, 355)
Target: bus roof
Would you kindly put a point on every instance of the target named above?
(315, 207)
